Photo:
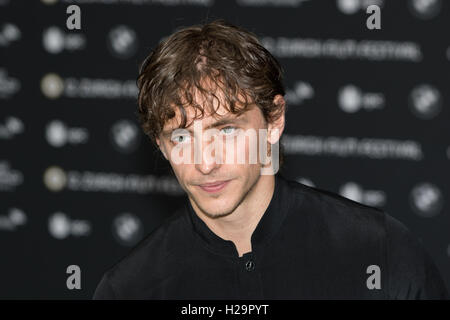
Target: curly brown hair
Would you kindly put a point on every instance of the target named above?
(203, 59)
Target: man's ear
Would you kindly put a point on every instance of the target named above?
(162, 148)
(275, 128)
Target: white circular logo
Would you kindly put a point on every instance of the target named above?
(350, 98)
(425, 101)
(127, 229)
(17, 216)
(56, 133)
(55, 178)
(303, 91)
(14, 125)
(348, 6)
(426, 200)
(425, 9)
(122, 42)
(125, 136)
(52, 86)
(352, 191)
(59, 225)
(9, 33)
(53, 40)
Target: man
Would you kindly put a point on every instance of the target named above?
(246, 232)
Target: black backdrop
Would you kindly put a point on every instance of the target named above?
(80, 184)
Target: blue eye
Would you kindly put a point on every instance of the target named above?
(227, 130)
(181, 138)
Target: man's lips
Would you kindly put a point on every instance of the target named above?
(214, 186)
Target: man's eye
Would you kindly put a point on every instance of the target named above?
(181, 139)
(228, 130)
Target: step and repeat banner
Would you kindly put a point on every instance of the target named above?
(80, 184)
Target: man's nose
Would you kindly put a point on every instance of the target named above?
(206, 157)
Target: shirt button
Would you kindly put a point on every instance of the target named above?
(249, 265)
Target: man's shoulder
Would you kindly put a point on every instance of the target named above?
(350, 227)
(333, 208)
(347, 219)
(166, 244)
(341, 214)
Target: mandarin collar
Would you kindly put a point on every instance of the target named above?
(267, 226)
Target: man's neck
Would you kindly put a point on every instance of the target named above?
(240, 224)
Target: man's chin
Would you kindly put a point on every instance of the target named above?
(215, 208)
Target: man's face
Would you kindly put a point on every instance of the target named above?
(214, 158)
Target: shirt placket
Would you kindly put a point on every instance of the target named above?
(250, 286)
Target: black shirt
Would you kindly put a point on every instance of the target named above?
(309, 244)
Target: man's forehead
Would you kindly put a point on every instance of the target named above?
(207, 119)
(214, 106)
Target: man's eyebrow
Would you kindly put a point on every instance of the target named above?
(225, 121)
(218, 123)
